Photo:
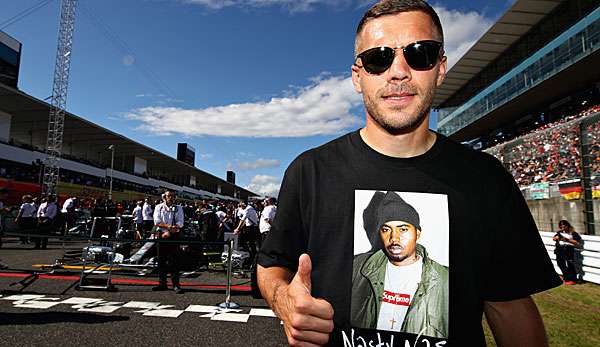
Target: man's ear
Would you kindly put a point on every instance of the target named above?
(418, 233)
(442, 71)
(356, 78)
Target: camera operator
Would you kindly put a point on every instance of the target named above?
(567, 239)
(168, 219)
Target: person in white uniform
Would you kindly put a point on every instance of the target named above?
(46, 215)
(168, 218)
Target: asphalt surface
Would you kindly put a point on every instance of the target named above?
(128, 316)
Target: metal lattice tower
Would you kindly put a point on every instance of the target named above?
(56, 121)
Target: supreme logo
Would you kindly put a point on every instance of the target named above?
(396, 298)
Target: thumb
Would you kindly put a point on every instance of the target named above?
(303, 274)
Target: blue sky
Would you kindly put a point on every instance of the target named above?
(249, 83)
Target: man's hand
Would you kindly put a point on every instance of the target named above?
(307, 321)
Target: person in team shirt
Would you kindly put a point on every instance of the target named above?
(138, 219)
(68, 213)
(168, 218)
(26, 217)
(266, 218)
(148, 217)
(46, 215)
(248, 229)
(398, 287)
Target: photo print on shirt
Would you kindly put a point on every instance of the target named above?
(401, 265)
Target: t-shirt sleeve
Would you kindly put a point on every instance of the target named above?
(287, 239)
(519, 264)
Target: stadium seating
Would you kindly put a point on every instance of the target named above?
(550, 153)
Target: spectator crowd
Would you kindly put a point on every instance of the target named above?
(551, 153)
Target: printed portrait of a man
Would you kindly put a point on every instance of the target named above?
(396, 285)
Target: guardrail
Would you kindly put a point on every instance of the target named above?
(587, 259)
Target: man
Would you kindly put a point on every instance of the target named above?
(398, 286)
(138, 219)
(26, 217)
(46, 215)
(68, 212)
(148, 217)
(266, 218)
(168, 218)
(239, 211)
(248, 229)
(399, 62)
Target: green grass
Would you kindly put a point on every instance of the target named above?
(571, 315)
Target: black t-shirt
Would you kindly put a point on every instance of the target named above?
(493, 249)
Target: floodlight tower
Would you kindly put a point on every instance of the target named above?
(56, 121)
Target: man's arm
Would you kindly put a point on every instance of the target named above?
(19, 214)
(240, 224)
(516, 323)
(307, 321)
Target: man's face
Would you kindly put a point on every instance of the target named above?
(399, 241)
(169, 198)
(399, 98)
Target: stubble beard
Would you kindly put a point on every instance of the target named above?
(397, 121)
(396, 258)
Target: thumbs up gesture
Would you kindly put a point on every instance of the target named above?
(307, 321)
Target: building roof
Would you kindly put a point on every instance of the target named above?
(516, 22)
(30, 120)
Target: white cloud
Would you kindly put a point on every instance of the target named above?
(461, 31)
(265, 185)
(321, 108)
(205, 155)
(144, 95)
(290, 5)
(258, 164)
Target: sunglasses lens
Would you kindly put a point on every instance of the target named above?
(422, 55)
(377, 60)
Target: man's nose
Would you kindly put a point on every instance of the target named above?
(399, 70)
(395, 234)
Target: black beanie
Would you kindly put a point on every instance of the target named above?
(370, 221)
(392, 207)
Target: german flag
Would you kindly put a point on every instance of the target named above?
(595, 187)
(571, 189)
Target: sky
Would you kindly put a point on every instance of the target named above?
(250, 84)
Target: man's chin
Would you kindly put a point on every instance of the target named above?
(400, 122)
(395, 257)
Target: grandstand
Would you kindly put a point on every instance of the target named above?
(528, 92)
(139, 171)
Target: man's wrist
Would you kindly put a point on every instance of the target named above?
(275, 299)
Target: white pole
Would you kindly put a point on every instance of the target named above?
(112, 163)
(228, 303)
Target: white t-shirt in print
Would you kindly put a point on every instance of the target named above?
(401, 283)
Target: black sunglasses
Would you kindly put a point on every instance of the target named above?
(420, 55)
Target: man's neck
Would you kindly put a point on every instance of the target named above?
(404, 145)
(406, 262)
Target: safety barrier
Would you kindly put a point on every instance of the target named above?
(587, 259)
(108, 241)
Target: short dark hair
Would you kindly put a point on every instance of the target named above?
(388, 7)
